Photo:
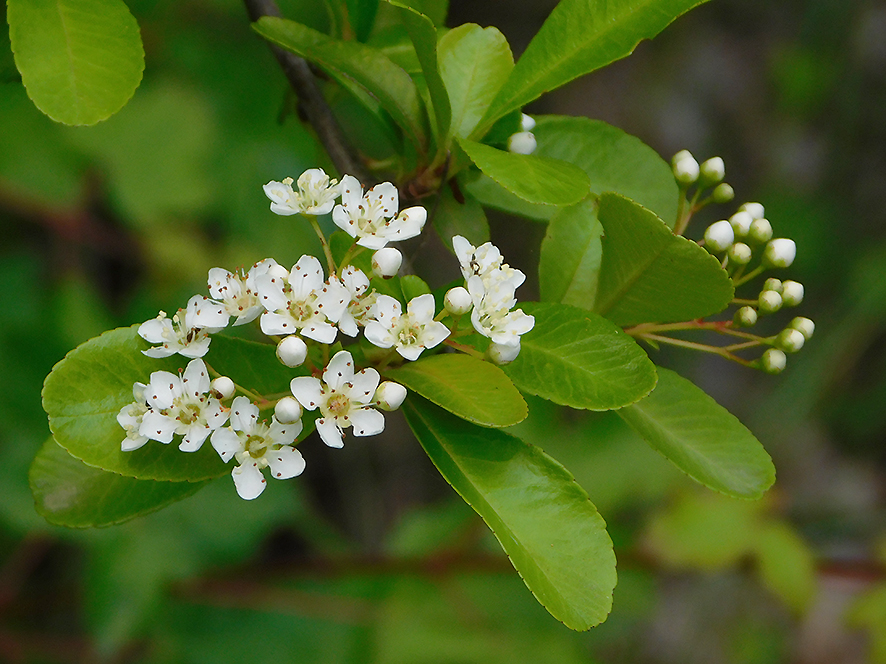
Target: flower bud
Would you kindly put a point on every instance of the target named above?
(523, 142)
(804, 325)
(223, 387)
(723, 193)
(754, 209)
(390, 395)
(741, 223)
(792, 293)
(712, 170)
(527, 123)
(740, 253)
(773, 284)
(287, 410)
(760, 231)
(457, 301)
(769, 302)
(780, 253)
(292, 351)
(745, 317)
(685, 169)
(719, 236)
(682, 154)
(773, 361)
(790, 340)
(502, 354)
(386, 262)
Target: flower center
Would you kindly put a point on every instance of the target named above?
(256, 446)
(338, 405)
(188, 414)
(408, 335)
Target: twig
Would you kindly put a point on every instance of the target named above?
(319, 115)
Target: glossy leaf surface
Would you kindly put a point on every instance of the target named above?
(571, 255)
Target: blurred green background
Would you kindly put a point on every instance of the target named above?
(369, 556)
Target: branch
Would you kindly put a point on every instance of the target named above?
(312, 101)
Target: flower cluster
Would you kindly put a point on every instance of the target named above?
(303, 309)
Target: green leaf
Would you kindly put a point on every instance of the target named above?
(576, 358)
(361, 16)
(701, 438)
(534, 179)
(474, 63)
(87, 389)
(412, 286)
(544, 520)
(571, 254)
(578, 37)
(650, 275)
(466, 219)
(424, 38)
(69, 493)
(474, 390)
(786, 565)
(614, 161)
(80, 60)
(492, 195)
(358, 64)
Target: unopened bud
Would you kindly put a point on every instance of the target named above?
(386, 262)
(745, 317)
(780, 253)
(760, 231)
(741, 223)
(790, 340)
(712, 171)
(792, 293)
(501, 353)
(390, 395)
(723, 193)
(769, 302)
(719, 236)
(523, 142)
(457, 301)
(287, 410)
(773, 284)
(805, 326)
(754, 209)
(527, 123)
(685, 170)
(740, 254)
(223, 387)
(292, 351)
(773, 361)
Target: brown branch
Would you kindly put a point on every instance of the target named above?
(314, 105)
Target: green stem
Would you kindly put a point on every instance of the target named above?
(704, 348)
(326, 250)
(738, 281)
(464, 348)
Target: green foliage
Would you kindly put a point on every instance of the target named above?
(571, 254)
(80, 60)
(550, 529)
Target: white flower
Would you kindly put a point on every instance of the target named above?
(486, 262)
(130, 418)
(360, 301)
(302, 302)
(492, 316)
(179, 404)
(344, 399)
(411, 333)
(256, 446)
(316, 194)
(187, 332)
(372, 219)
(238, 293)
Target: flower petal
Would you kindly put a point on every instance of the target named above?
(226, 442)
(330, 433)
(307, 390)
(285, 463)
(367, 421)
(340, 370)
(249, 481)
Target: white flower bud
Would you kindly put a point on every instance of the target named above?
(790, 340)
(502, 354)
(292, 351)
(745, 317)
(792, 293)
(686, 170)
(741, 223)
(386, 262)
(287, 410)
(223, 387)
(780, 253)
(389, 395)
(457, 301)
(719, 236)
(740, 254)
(773, 284)
(754, 209)
(769, 302)
(527, 123)
(523, 142)
(682, 154)
(760, 231)
(773, 361)
(712, 170)
(723, 193)
(804, 325)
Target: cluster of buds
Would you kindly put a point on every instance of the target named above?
(301, 308)
(705, 177)
(523, 142)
